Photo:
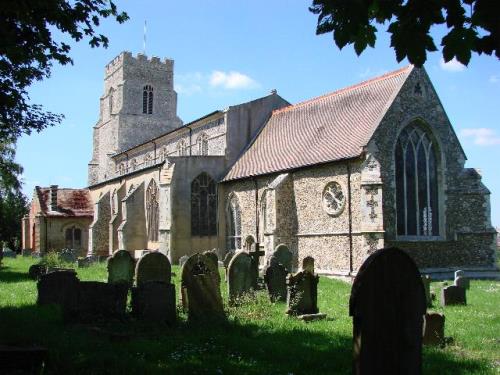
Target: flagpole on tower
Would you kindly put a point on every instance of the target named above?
(144, 39)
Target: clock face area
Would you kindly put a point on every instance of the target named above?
(333, 199)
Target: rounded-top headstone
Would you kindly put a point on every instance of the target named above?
(308, 264)
(227, 259)
(212, 256)
(282, 255)
(240, 275)
(121, 268)
(153, 266)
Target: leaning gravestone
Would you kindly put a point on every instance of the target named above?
(121, 268)
(60, 288)
(453, 295)
(200, 288)
(462, 282)
(283, 256)
(154, 301)
(101, 300)
(426, 282)
(308, 264)
(387, 304)
(275, 279)
(183, 260)
(240, 276)
(153, 266)
(302, 293)
(433, 329)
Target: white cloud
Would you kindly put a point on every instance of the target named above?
(481, 136)
(494, 78)
(452, 66)
(232, 80)
(189, 83)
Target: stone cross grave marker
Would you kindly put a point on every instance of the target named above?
(121, 268)
(459, 273)
(387, 304)
(302, 293)
(434, 329)
(255, 255)
(275, 279)
(308, 264)
(453, 295)
(153, 266)
(241, 277)
(200, 288)
(282, 255)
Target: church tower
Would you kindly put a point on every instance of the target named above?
(139, 103)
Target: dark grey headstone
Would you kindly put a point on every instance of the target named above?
(462, 282)
(153, 266)
(101, 300)
(434, 329)
(60, 288)
(121, 268)
(426, 282)
(275, 279)
(37, 270)
(241, 277)
(200, 288)
(302, 296)
(453, 295)
(155, 302)
(308, 264)
(387, 305)
(282, 255)
(213, 256)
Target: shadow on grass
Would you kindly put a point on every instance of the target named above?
(7, 276)
(203, 348)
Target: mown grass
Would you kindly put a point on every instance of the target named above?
(257, 338)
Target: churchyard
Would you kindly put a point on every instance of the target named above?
(251, 335)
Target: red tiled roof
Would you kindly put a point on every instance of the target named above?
(70, 202)
(332, 127)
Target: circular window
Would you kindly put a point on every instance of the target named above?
(333, 199)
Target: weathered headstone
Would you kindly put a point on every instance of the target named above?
(308, 264)
(426, 282)
(227, 260)
(462, 282)
(241, 277)
(121, 268)
(153, 266)
(8, 253)
(154, 301)
(302, 293)
(183, 260)
(200, 288)
(433, 329)
(453, 295)
(37, 270)
(60, 288)
(101, 300)
(282, 255)
(275, 279)
(387, 304)
(67, 256)
(213, 257)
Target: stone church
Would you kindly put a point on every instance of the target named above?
(335, 177)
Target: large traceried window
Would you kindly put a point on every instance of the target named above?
(152, 211)
(147, 100)
(416, 183)
(203, 206)
(233, 223)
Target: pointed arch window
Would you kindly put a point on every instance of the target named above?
(152, 211)
(203, 206)
(181, 148)
(233, 223)
(203, 144)
(416, 183)
(133, 164)
(147, 100)
(148, 160)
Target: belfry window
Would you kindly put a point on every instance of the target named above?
(203, 206)
(416, 183)
(147, 100)
(152, 211)
(233, 223)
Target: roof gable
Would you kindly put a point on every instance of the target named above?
(70, 202)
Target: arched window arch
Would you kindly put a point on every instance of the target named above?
(121, 168)
(203, 206)
(147, 100)
(233, 223)
(202, 144)
(416, 159)
(73, 236)
(181, 148)
(111, 98)
(152, 211)
(148, 159)
(133, 164)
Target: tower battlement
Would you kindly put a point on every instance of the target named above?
(140, 60)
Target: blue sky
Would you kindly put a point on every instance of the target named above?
(227, 52)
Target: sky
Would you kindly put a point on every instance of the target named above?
(227, 52)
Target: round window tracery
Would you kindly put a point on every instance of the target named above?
(333, 198)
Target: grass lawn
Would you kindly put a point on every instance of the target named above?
(257, 338)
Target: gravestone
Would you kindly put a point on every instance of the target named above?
(183, 260)
(200, 288)
(387, 304)
(308, 264)
(426, 282)
(67, 256)
(283, 256)
(8, 253)
(227, 260)
(121, 268)
(37, 270)
(433, 329)
(453, 295)
(154, 301)
(459, 273)
(462, 282)
(60, 288)
(302, 293)
(241, 277)
(153, 266)
(275, 279)
(213, 257)
(101, 300)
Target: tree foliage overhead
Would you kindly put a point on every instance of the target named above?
(472, 25)
(28, 50)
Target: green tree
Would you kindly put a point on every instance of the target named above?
(472, 25)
